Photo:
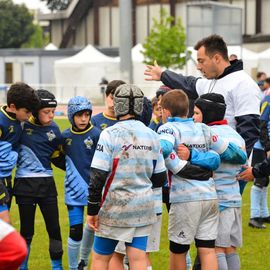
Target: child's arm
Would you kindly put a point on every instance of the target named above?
(264, 126)
(58, 159)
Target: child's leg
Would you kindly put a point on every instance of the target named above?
(27, 218)
(208, 258)
(136, 252)
(255, 199)
(49, 210)
(103, 249)
(116, 261)
(87, 243)
(178, 256)
(75, 214)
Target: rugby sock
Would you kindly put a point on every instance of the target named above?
(149, 268)
(87, 243)
(264, 202)
(57, 264)
(24, 265)
(222, 262)
(73, 253)
(233, 261)
(255, 201)
(188, 261)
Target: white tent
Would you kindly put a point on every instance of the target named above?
(264, 62)
(82, 73)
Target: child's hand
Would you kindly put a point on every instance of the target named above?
(183, 152)
(245, 174)
(93, 222)
(154, 72)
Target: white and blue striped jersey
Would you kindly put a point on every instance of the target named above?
(131, 153)
(227, 186)
(195, 136)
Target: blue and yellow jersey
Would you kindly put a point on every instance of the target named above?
(38, 145)
(103, 121)
(79, 148)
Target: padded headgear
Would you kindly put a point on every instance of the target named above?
(46, 100)
(78, 104)
(128, 99)
(213, 107)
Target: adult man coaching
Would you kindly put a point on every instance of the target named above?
(241, 93)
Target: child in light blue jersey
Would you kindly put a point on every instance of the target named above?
(21, 100)
(34, 182)
(127, 164)
(79, 144)
(210, 109)
(190, 191)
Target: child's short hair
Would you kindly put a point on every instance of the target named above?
(22, 96)
(176, 101)
(154, 102)
(112, 85)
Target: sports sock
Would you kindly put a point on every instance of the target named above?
(57, 264)
(222, 262)
(73, 253)
(87, 243)
(24, 265)
(233, 261)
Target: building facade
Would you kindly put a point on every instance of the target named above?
(97, 21)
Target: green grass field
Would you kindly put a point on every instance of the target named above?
(253, 254)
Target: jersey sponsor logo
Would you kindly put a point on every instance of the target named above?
(196, 145)
(126, 147)
(166, 131)
(142, 147)
(88, 143)
(172, 156)
(51, 135)
(99, 147)
(29, 131)
(11, 129)
(214, 138)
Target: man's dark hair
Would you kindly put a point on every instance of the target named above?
(176, 101)
(112, 85)
(22, 96)
(213, 44)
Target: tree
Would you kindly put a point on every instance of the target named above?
(57, 4)
(16, 24)
(37, 39)
(166, 42)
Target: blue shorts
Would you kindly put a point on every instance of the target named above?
(75, 214)
(106, 246)
(3, 207)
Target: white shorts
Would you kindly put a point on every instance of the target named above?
(125, 234)
(230, 228)
(153, 239)
(190, 220)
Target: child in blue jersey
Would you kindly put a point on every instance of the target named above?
(157, 114)
(34, 183)
(127, 164)
(107, 118)
(259, 212)
(210, 109)
(21, 100)
(79, 145)
(193, 198)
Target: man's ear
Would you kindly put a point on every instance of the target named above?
(217, 58)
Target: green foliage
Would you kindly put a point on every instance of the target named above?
(166, 42)
(57, 4)
(36, 40)
(16, 24)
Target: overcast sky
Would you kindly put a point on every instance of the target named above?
(33, 4)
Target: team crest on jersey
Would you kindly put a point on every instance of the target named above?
(88, 143)
(50, 135)
(103, 126)
(68, 141)
(29, 131)
(11, 129)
